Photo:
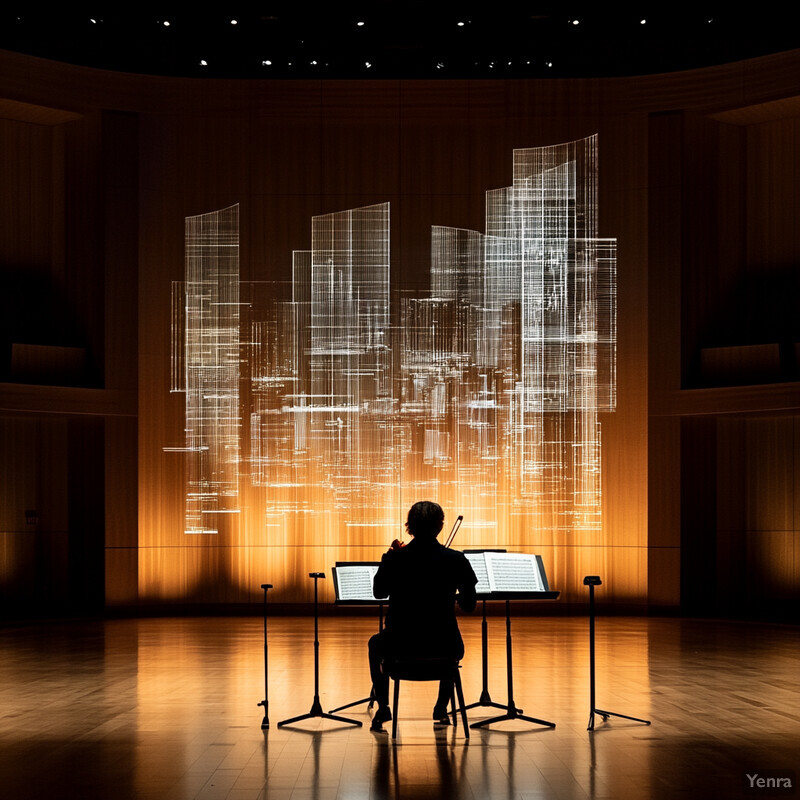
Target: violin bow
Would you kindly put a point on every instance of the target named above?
(456, 526)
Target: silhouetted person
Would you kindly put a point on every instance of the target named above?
(421, 580)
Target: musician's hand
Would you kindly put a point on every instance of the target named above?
(396, 545)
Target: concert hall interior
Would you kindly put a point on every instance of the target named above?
(266, 282)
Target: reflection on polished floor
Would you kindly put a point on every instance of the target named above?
(167, 708)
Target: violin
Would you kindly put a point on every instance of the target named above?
(397, 544)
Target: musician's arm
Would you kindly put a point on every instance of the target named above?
(381, 584)
(467, 598)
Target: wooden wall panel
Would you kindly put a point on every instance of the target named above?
(69, 272)
(772, 194)
(424, 148)
(289, 150)
(665, 248)
(757, 537)
(87, 513)
(698, 504)
(664, 511)
(713, 259)
(120, 248)
(769, 499)
(26, 153)
(83, 289)
(33, 549)
(796, 485)
(623, 213)
(121, 516)
(772, 571)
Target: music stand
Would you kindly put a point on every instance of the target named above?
(591, 581)
(512, 712)
(529, 582)
(485, 700)
(316, 707)
(357, 593)
(265, 701)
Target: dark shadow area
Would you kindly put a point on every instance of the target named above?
(41, 339)
(753, 331)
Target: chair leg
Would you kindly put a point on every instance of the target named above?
(453, 705)
(394, 709)
(462, 704)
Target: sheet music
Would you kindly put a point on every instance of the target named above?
(513, 572)
(498, 572)
(478, 563)
(355, 582)
(506, 572)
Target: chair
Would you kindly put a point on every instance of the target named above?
(428, 669)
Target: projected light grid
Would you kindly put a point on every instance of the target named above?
(205, 335)
(486, 396)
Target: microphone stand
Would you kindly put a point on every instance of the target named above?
(265, 701)
(316, 706)
(591, 581)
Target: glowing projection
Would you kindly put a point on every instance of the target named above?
(205, 365)
(322, 423)
(482, 392)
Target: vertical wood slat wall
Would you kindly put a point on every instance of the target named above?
(105, 167)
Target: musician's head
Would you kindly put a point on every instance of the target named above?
(425, 519)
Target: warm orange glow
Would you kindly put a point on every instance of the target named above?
(333, 420)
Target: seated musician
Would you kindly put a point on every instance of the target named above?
(423, 580)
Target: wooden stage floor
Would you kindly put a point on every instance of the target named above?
(167, 708)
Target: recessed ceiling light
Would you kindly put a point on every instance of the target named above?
(360, 23)
(203, 62)
(234, 22)
(165, 23)
(266, 63)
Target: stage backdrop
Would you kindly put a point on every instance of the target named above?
(378, 344)
(399, 297)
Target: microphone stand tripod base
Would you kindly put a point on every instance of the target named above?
(316, 707)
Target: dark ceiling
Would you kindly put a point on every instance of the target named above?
(396, 40)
